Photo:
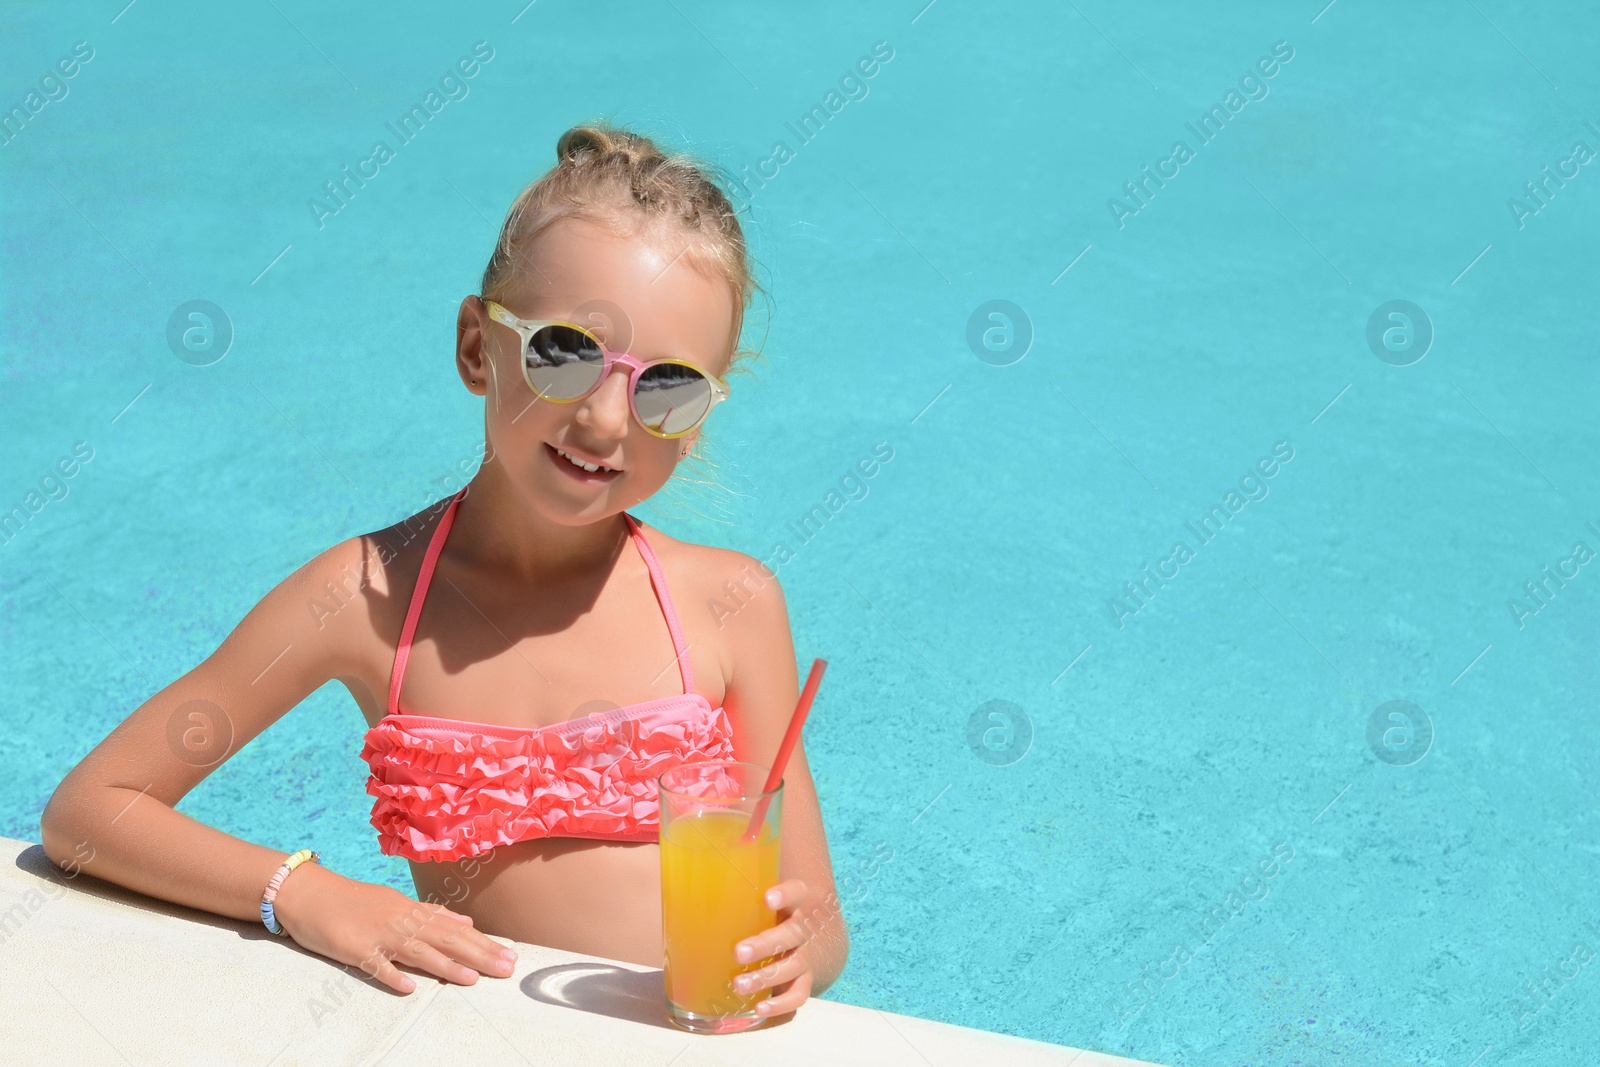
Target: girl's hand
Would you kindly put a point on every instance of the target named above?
(789, 975)
(367, 926)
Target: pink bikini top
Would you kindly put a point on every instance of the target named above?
(447, 789)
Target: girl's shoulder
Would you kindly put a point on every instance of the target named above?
(326, 619)
(734, 599)
(358, 589)
(353, 597)
(706, 569)
(374, 567)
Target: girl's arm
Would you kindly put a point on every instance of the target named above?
(762, 690)
(113, 816)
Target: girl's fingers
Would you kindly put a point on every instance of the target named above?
(787, 935)
(381, 969)
(786, 969)
(786, 895)
(789, 999)
(471, 948)
(425, 957)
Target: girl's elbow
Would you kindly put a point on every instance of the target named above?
(58, 824)
(53, 833)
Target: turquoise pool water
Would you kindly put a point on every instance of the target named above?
(1194, 831)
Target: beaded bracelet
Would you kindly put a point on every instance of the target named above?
(268, 919)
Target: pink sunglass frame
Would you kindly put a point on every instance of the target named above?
(526, 328)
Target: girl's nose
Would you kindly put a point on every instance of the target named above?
(604, 412)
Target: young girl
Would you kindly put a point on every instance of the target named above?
(515, 649)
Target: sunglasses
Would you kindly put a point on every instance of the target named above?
(564, 362)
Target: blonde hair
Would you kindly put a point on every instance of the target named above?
(613, 176)
(617, 178)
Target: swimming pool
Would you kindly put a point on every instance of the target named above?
(1315, 789)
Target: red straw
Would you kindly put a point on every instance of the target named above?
(790, 739)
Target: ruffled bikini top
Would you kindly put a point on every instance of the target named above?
(447, 789)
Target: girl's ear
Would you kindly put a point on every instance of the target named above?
(472, 355)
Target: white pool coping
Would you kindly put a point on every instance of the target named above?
(91, 973)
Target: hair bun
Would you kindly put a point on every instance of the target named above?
(599, 143)
(623, 181)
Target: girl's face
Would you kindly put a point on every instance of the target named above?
(639, 294)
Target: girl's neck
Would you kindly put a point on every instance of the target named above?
(498, 529)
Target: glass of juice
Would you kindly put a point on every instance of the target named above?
(714, 876)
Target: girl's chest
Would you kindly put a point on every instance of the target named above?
(488, 654)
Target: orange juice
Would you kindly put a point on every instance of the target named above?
(712, 886)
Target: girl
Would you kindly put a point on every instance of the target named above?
(515, 650)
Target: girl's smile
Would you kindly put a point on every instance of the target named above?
(579, 466)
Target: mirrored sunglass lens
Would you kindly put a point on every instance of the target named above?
(562, 363)
(671, 398)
